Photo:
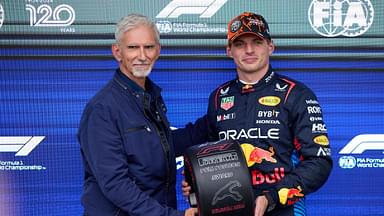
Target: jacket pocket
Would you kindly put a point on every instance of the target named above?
(138, 128)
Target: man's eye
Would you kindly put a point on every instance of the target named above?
(132, 47)
(150, 47)
(237, 44)
(258, 42)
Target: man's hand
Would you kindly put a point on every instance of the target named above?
(261, 205)
(191, 212)
(185, 188)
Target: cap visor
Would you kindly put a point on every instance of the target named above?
(261, 37)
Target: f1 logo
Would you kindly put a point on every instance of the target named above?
(209, 149)
(206, 8)
(364, 142)
(22, 145)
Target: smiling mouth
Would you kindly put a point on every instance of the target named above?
(141, 65)
(250, 60)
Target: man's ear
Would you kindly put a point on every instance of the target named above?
(158, 51)
(271, 47)
(116, 52)
(229, 54)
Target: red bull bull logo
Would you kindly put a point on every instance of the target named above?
(290, 195)
(257, 155)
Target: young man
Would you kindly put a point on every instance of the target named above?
(277, 120)
(126, 146)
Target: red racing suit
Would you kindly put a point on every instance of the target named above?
(280, 126)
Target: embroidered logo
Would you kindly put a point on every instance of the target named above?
(227, 102)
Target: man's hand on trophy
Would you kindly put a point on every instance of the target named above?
(261, 205)
(186, 188)
(191, 212)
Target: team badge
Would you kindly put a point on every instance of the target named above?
(235, 26)
(227, 102)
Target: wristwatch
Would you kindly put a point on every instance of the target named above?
(271, 202)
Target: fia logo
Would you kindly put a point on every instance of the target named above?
(332, 18)
(44, 16)
(206, 8)
(164, 26)
(347, 162)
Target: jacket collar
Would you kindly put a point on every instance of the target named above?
(133, 87)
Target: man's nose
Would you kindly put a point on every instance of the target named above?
(248, 48)
(142, 54)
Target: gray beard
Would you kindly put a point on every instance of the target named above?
(141, 73)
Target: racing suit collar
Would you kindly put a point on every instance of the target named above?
(267, 78)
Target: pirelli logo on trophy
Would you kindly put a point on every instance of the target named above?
(219, 178)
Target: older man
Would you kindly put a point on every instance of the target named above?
(128, 155)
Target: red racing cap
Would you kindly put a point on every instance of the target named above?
(248, 23)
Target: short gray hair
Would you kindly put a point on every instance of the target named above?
(131, 21)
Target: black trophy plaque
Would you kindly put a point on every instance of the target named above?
(219, 178)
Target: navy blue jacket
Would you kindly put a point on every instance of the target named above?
(128, 156)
